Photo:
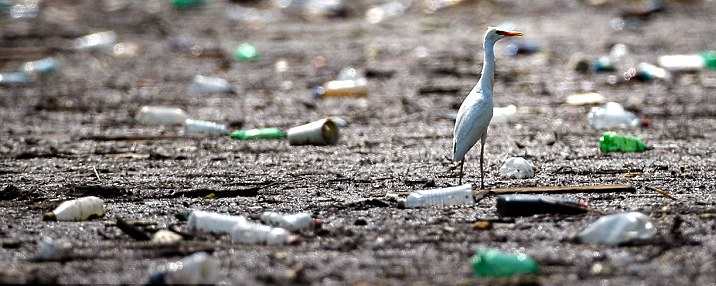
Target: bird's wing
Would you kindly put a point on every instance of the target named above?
(471, 123)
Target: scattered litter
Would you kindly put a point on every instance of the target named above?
(321, 132)
(77, 210)
(187, 4)
(207, 85)
(199, 268)
(618, 228)
(613, 115)
(350, 82)
(502, 115)
(246, 52)
(516, 168)
(615, 142)
(527, 205)
(689, 62)
(258, 133)
(53, 250)
(193, 126)
(39, 68)
(494, 263)
(450, 196)
(588, 98)
(96, 40)
(212, 222)
(13, 78)
(255, 233)
(161, 115)
(379, 13)
(291, 222)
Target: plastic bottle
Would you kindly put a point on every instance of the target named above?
(493, 263)
(502, 115)
(95, 40)
(458, 195)
(689, 62)
(187, 4)
(193, 126)
(206, 84)
(292, 222)
(527, 205)
(618, 228)
(255, 233)
(161, 115)
(246, 52)
(13, 78)
(258, 133)
(516, 168)
(613, 115)
(603, 64)
(212, 222)
(648, 72)
(199, 268)
(76, 210)
(357, 87)
(27, 9)
(39, 68)
(614, 142)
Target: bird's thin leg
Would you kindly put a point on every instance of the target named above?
(482, 171)
(461, 164)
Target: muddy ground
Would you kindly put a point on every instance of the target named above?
(73, 134)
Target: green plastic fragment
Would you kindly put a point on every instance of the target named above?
(258, 133)
(709, 59)
(187, 4)
(614, 142)
(493, 263)
(246, 52)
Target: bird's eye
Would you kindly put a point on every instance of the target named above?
(501, 33)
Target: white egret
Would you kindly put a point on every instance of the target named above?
(475, 113)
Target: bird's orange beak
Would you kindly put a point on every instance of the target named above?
(510, 33)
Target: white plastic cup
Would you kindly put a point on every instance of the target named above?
(321, 132)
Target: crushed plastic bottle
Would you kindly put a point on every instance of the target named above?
(258, 133)
(77, 210)
(194, 126)
(246, 52)
(516, 168)
(96, 40)
(13, 78)
(53, 250)
(614, 142)
(206, 85)
(618, 228)
(688, 62)
(503, 115)
(494, 263)
(451, 196)
(291, 222)
(613, 115)
(199, 268)
(527, 205)
(161, 115)
(255, 233)
(40, 67)
(212, 222)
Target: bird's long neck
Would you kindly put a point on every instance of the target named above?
(487, 78)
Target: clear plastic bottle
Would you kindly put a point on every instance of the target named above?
(612, 115)
(618, 228)
(516, 168)
(206, 84)
(77, 210)
(255, 233)
(13, 78)
(161, 115)
(292, 222)
(213, 222)
(458, 195)
(199, 268)
(40, 67)
(193, 126)
(95, 40)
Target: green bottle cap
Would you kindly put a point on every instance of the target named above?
(614, 142)
(246, 52)
(709, 59)
(187, 4)
(493, 263)
(258, 133)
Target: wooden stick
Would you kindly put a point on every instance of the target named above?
(567, 189)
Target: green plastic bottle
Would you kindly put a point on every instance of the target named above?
(614, 142)
(709, 59)
(258, 133)
(187, 4)
(493, 263)
(246, 52)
